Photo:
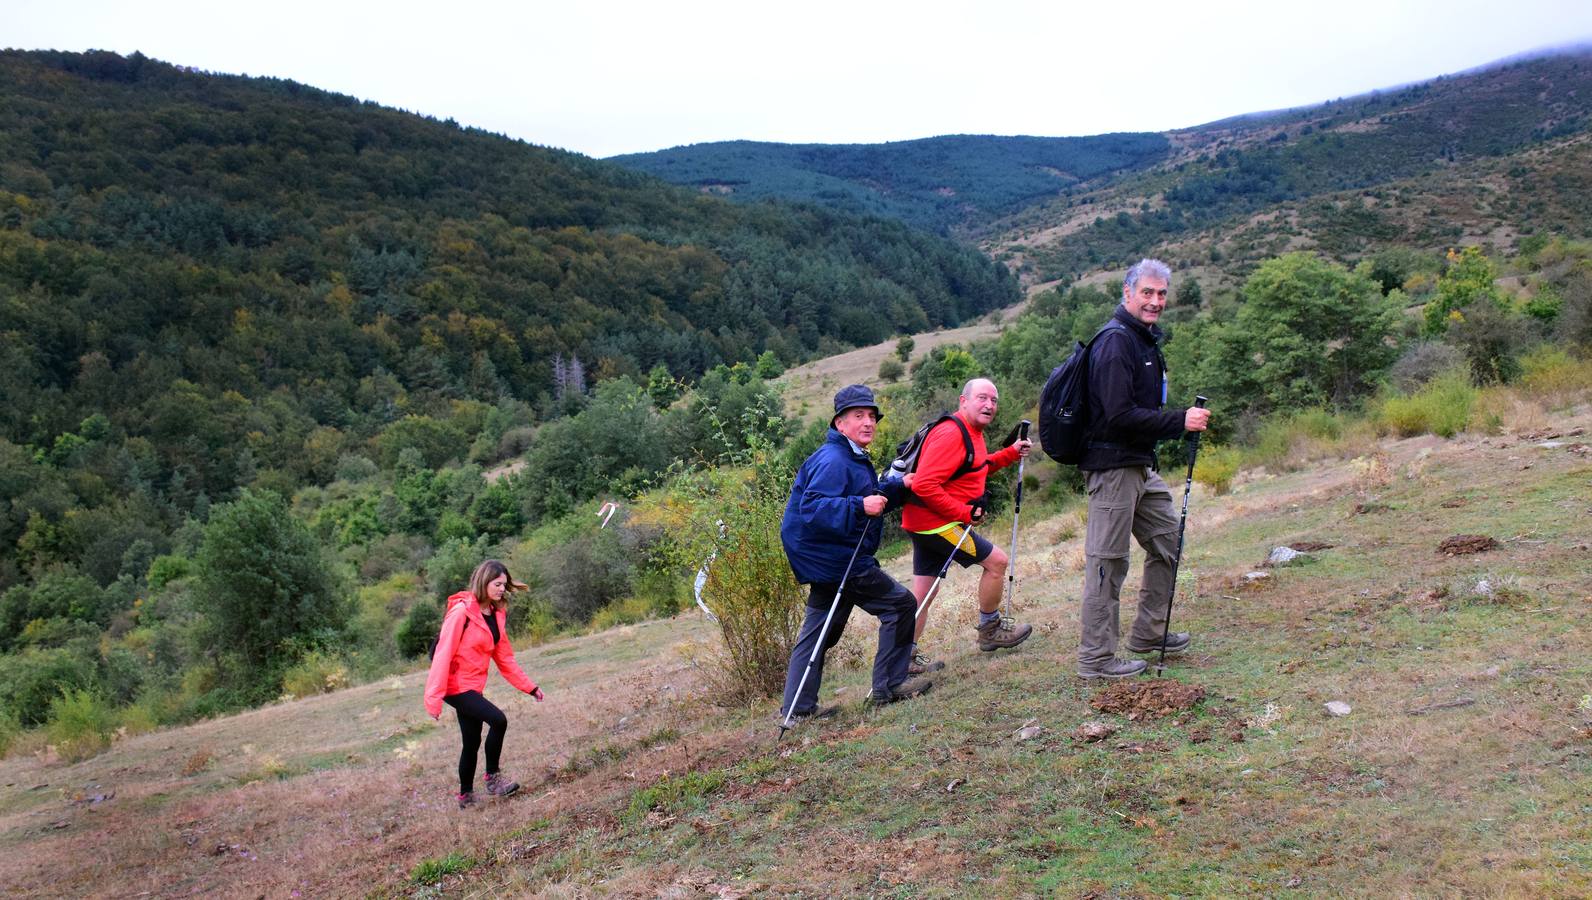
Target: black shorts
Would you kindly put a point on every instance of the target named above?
(930, 551)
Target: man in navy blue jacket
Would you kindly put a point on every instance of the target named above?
(834, 512)
(1127, 406)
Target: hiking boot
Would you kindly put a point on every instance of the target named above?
(466, 799)
(1176, 642)
(499, 785)
(1002, 633)
(1112, 668)
(819, 712)
(921, 665)
(906, 690)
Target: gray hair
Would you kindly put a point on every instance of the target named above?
(1152, 267)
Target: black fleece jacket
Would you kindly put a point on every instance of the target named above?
(1126, 374)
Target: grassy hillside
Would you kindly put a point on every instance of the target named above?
(943, 183)
(1461, 769)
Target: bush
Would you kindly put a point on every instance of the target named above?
(1442, 407)
(10, 730)
(1421, 362)
(891, 369)
(418, 627)
(32, 679)
(1554, 376)
(1215, 467)
(449, 570)
(586, 574)
(317, 672)
(749, 586)
(81, 724)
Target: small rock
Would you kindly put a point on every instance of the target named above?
(1252, 577)
(1338, 708)
(955, 783)
(1090, 732)
(1029, 733)
(1282, 556)
(1551, 445)
(1483, 588)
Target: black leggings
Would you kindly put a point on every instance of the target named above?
(474, 709)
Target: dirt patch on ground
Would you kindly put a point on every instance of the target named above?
(1310, 546)
(1147, 699)
(1466, 544)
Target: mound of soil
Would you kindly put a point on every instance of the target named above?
(1309, 546)
(1147, 699)
(1466, 544)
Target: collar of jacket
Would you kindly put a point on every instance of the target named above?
(472, 608)
(835, 437)
(1150, 333)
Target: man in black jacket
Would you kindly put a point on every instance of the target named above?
(1127, 389)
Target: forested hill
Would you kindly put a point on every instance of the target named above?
(1488, 156)
(221, 265)
(1482, 156)
(939, 183)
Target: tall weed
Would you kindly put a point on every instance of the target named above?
(1442, 407)
(1216, 466)
(81, 724)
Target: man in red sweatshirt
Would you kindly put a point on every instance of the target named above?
(947, 500)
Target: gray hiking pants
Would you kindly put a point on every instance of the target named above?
(1123, 502)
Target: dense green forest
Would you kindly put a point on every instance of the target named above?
(942, 183)
(220, 290)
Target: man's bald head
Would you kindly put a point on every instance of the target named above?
(978, 403)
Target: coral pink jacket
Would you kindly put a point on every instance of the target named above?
(460, 663)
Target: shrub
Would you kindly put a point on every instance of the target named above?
(686, 789)
(317, 672)
(81, 724)
(449, 570)
(1215, 467)
(418, 627)
(585, 574)
(891, 369)
(1421, 362)
(749, 586)
(32, 679)
(1442, 407)
(10, 730)
(1554, 376)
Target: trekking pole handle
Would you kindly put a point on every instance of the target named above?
(1200, 400)
(1022, 429)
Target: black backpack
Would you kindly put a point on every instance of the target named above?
(1064, 404)
(908, 451)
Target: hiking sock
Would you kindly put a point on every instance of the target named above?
(984, 618)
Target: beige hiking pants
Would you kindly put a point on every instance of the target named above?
(1122, 502)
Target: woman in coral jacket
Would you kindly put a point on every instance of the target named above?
(473, 631)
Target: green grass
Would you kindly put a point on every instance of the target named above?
(432, 871)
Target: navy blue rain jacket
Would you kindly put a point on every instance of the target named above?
(824, 518)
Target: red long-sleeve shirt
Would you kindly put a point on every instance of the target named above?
(937, 502)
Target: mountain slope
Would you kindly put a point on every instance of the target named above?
(942, 183)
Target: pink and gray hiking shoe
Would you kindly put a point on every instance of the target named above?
(499, 785)
(466, 799)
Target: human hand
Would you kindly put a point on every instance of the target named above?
(1196, 419)
(907, 479)
(1023, 445)
(976, 511)
(536, 694)
(873, 505)
(436, 717)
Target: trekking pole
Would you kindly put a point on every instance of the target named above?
(944, 568)
(1017, 510)
(823, 632)
(1193, 442)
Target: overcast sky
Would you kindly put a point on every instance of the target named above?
(607, 76)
